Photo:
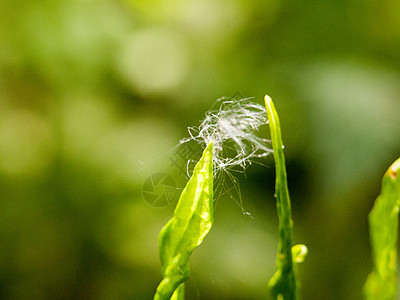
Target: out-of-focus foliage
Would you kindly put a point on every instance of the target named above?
(93, 94)
(384, 225)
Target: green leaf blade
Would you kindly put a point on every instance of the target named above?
(383, 221)
(284, 284)
(192, 220)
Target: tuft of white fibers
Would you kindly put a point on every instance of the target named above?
(233, 128)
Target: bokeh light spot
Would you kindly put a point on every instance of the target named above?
(154, 60)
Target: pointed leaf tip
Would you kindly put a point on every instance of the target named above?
(192, 220)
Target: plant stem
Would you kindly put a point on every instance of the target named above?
(283, 284)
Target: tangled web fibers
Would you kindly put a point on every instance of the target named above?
(232, 128)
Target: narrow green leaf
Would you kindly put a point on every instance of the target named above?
(283, 285)
(383, 225)
(192, 220)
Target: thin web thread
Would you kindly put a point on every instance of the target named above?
(233, 129)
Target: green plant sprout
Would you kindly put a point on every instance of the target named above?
(236, 122)
(192, 220)
(284, 284)
(232, 126)
(383, 225)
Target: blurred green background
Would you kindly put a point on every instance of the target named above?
(93, 95)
